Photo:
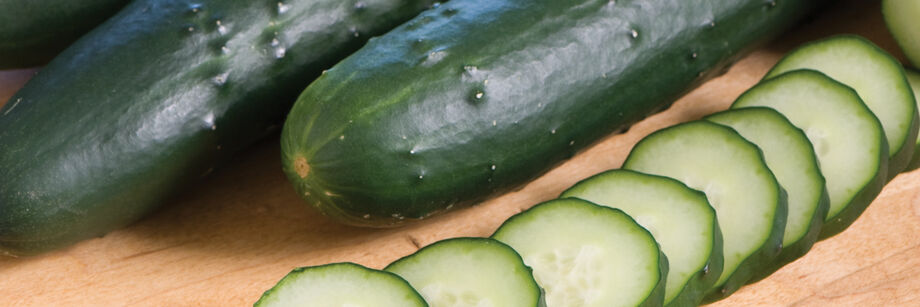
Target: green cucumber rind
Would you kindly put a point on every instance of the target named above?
(538, 294)
(655, 297)
(151, 101)
(862, 199)
(898, 161)
(801, 246)
(358, 126)
(280, 284)
(699, 283)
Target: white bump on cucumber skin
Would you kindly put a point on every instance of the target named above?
(679, 218)
(875, 75)
(341, 284)
(586, 255)
(737, 183)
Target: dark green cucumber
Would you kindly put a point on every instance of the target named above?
(341, 284)
(155, 98)
(476, 97)
(34, 31)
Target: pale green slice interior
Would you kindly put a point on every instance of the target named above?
(678, 217)
(876, 76)
(341, 285)
(585, 255)
(844, 135)
(901, 18)
(469, 272)
(790, 156)
(729, 170)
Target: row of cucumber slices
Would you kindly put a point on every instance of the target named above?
(698, 209)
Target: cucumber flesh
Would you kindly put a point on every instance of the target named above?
(848, 139)
(876, 76)
(587, 255)
(749, 203)
(470, 272)
(341, 285)
(913, 78)
(681, 220)
(791, 157)
(901, 18)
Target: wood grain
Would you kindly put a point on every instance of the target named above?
(234, 235)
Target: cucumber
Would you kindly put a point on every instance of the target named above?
(34, 31)
(341, 284)
(749, 203)
(476, 97)
(876, 76)
(154, 99)
(913, 78)
(588, 255)
(470, 272)
(680, 219)
(849, 140)
(901, 18)
(791, 157)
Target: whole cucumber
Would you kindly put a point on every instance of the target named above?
(34, 31)
(157, 96)
(476, 97)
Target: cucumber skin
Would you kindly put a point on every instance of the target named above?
(34, 31)
(789, 253)
(864, 197)
(383, 139)
(656, 295)
(692, 292)
(134, 112)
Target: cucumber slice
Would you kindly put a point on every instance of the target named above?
(587, 255)
(470, 272)
(341, 284)
(913, 78)
(749, 203)
(791, 157)
(876, 76)
(901, 18)
(680, 219)
(848, 139)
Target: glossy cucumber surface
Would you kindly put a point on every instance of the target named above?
(476, 97)
(154, 99)
(34, 31)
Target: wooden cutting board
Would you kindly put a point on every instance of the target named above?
(231, 237)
